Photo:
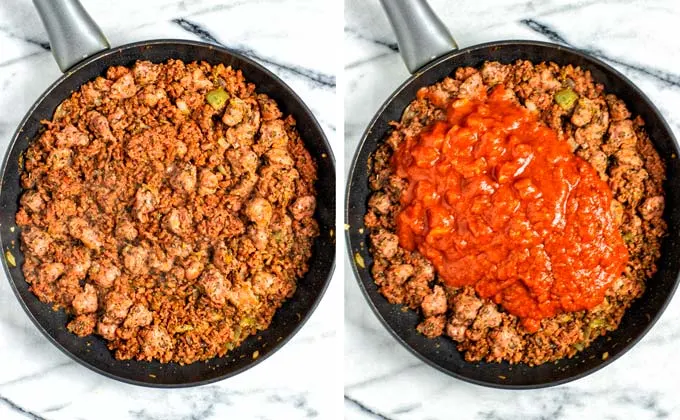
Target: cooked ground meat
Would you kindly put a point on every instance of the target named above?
(599, 128)
(169, 208)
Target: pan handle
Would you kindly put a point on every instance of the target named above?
(421, 35)
(73, 34)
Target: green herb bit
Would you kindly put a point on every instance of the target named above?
(184, 328)
(627, 238)
(597, 323)
(360, 260)
(566, 98)
(217, 98)
(247, 322)
(10, 259)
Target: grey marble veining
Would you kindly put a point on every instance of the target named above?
(291, 38)
(383, 380)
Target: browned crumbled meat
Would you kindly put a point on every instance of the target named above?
(259, 211)
(465, 306)
(494, 73)
(242, 297)
(160, 261)
(208, 182)
(184, 179)
(236, 110)
(33, 201)
(171, 226)
(145, 72)
(50, 272)
(617, 108)
(279, 157)
(652, 208)
(145, 203)
(584, 112)
(193, 267)
(472, 87)
(70, 136)
(124, 87)
(303, 207)
(36, 241)
(487, 317)
(126, 230)
(268, 108)
(398, 274)
(505, 344)
(116, 306)
(104, 273)
(621, 137)
(83, 325)
(138, 316)
(214, 286)
(156, 343)
(135, 259)
(385, 244)
(600, 129)
(381, 203)
(456, 330)
(179, 221)
(432, 326)
(107, 330)
(258, 236)
(80, 229)
(435, 303)
(267, 284)
(424, 269)
(99, 126)
(86, 301)
(272, 134)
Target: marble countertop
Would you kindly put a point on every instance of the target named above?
(382, 379)
(37, 381)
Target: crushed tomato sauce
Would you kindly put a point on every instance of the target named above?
(496, 201)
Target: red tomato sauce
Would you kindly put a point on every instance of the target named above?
(496, 201)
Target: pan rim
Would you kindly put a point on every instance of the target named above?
(280, 85)
(350, 181)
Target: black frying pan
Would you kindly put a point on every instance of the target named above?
(91, 351)
(441, 353)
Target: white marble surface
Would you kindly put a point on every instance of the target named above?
(292, 38)
(383, 380)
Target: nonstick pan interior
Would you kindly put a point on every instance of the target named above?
(91, 351)
(441, 352)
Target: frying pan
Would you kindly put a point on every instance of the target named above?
(83, 53)
(430, 54)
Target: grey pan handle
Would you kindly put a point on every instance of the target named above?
(421, 36)
(73, 34)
